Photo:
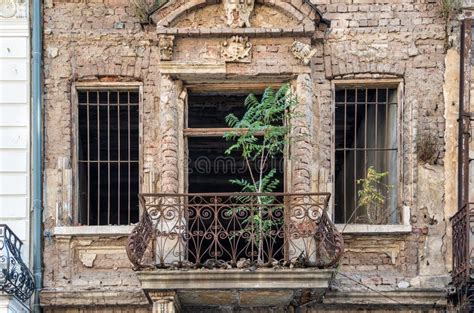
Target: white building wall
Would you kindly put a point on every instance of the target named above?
(15, 120)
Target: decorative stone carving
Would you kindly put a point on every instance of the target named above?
(8, 8)
(303, 52)
(237, 49)
(238, 12)
(166, 45)
(165, 302)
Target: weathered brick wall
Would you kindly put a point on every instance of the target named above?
(103, 41)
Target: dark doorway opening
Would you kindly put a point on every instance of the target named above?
(210, 171)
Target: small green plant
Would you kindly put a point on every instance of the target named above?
(371, 196)
(450, 7)
(427, 148)
(141, 8)
(260, 135)
(145, 8)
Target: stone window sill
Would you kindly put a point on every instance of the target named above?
(122, 230)
(127, 229)
(374, 229)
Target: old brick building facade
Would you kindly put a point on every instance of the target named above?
(101, 52)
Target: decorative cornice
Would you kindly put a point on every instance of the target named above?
(251, 32)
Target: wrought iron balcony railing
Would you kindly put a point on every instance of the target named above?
(461, 223)
(15, 277)
(235, 230)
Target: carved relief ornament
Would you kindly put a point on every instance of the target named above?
(237, 49)
(238, 12)
(303, 52)
(166, 45)
(8, 8)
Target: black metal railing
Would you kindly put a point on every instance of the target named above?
(461, 223)
(235, 230)
(15, 277)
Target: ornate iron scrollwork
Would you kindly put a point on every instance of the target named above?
(219, 231)
(15, 277)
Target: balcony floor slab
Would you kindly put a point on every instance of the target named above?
(239, 288)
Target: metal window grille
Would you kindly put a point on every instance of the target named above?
(365, 136)
(108, 157)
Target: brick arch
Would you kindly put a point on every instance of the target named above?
(363, 69)
(300, 11)
(101, 71)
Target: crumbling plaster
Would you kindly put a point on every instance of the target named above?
(370, 40)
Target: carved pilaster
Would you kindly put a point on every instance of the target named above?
(303, 52)
(169, 131)
(166, 45)
(238, 12)
(64, 192)
(165, 302)
(302, 134)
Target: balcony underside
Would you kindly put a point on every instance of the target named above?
(240, 288)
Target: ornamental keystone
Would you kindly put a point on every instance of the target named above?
(166, 45)
(238, 12)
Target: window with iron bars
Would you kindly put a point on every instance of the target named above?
(366, 135)
(108, 157)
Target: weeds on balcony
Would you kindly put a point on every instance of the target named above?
(266, 125)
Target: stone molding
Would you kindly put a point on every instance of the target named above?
(186, 70)
(251, 32)
(263, 287)
(160, 280)
(420, 298)
(93, 230)
(374, 229)
(131, 296)
(303, 13)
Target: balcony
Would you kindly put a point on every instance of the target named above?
(463, 259)
(195, 243)
(15, 277)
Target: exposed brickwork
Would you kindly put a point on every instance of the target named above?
(102, 41)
